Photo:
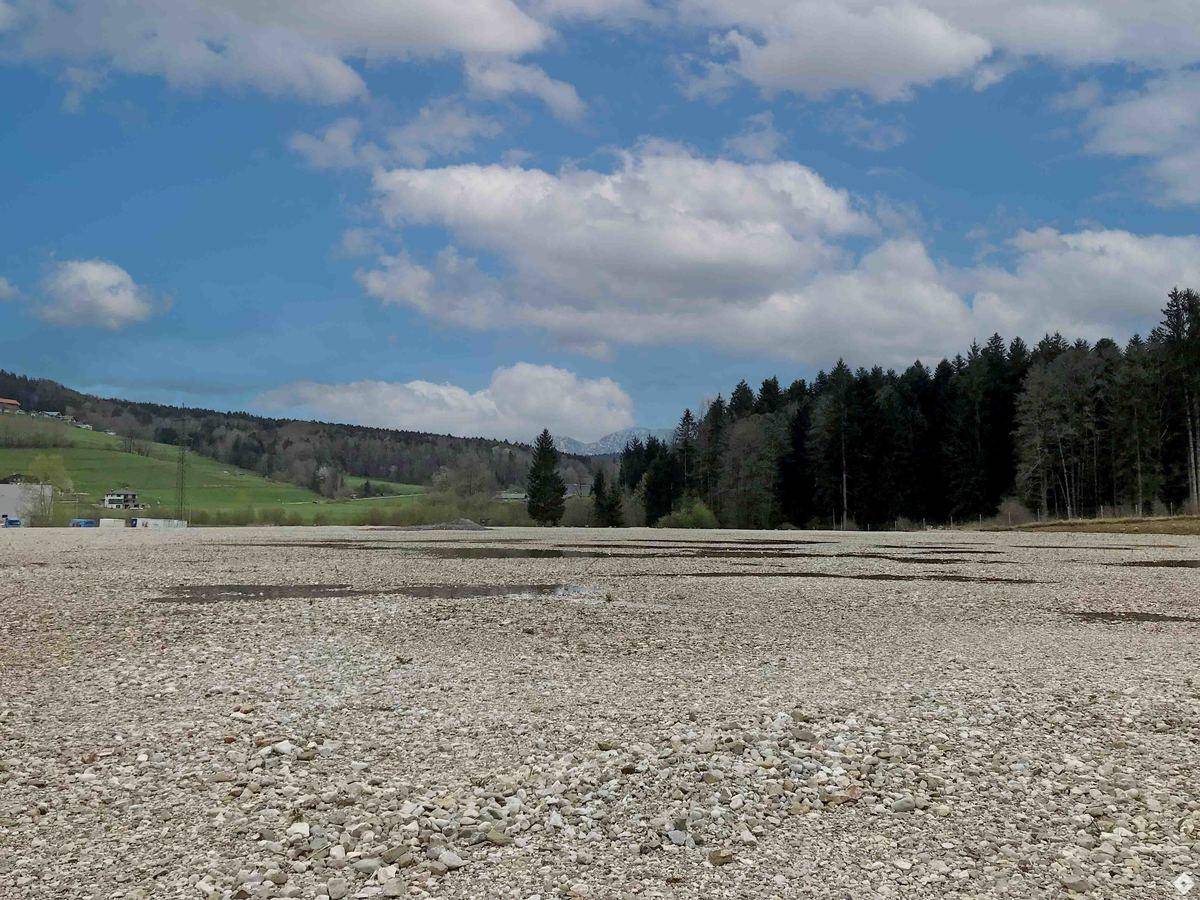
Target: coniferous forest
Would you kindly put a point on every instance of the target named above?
(1058, 429)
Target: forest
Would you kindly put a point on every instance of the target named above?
(1059, 429)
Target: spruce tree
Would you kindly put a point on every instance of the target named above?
(606, 502)
(546, 490)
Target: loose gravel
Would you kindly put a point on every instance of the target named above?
(246, 713)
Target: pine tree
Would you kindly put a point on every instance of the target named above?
(546, 490)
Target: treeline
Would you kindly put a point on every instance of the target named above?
(1060, 429)
(311, 454)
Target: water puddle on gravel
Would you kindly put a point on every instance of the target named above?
(878, 576)
(481, 591)
(222, 593)
(1119, 618)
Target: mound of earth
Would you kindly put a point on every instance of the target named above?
(455, 525)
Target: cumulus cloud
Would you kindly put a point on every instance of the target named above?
(1088, 283)
(93, 293)
(7, 291)
(442, 128)
(519, 401)
(760, 140)
(502, 78)
(1161, 124)
(753, 257)
(887, 49)
(820, 48)
(303, 48)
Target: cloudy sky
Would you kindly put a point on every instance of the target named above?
(486, 216)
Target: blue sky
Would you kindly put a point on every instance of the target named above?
(487, 217)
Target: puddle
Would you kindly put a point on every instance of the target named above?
(1116, 618)
(1160, 564)
(221, 593)
(1098, 546)
(481, 591)
(879, 576)
(934, 548)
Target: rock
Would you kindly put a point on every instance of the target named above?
(677, 837)
(336, 888)
(395, 887)
(904, 804)
(451, 860)
(721, 856)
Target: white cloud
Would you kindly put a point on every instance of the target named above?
(519, 401)
(886, 49)
(1087, 283)
(669, 248)
(760, 140)
(502, 78)
(1160, 123)
(664, 228)
(301, 47)
(336, 147)
(7, 291)
(93, 293)
(818, 48)
(442, 128)
(863, 130)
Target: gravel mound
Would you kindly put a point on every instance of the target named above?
(455, 525)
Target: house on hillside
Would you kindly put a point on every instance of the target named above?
(8, 405)
(121, 500)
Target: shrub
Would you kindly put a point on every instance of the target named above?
(693, 514)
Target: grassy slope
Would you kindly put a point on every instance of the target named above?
(1158, 525)
(97, 464)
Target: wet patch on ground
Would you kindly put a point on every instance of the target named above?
(223, 593)
(876, 576)
(481, 591)
(1119, 618)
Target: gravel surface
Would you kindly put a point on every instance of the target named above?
(338, 712)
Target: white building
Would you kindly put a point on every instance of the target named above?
(121, 500)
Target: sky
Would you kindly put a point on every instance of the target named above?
(492, 216)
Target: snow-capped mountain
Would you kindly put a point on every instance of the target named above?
(610, 443)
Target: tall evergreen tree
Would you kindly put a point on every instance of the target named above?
(545, 488)
(741, 401)
(686, 438)
(606, 502)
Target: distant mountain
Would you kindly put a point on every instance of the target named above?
(610, 443)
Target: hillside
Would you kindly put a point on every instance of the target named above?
(97, 463)
(318, 456)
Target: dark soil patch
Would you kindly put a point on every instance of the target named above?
(1118, 618)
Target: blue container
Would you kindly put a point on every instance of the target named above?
(84, 523)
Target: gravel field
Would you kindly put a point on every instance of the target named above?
(339, 712)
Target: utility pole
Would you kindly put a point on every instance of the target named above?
(181, 481)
